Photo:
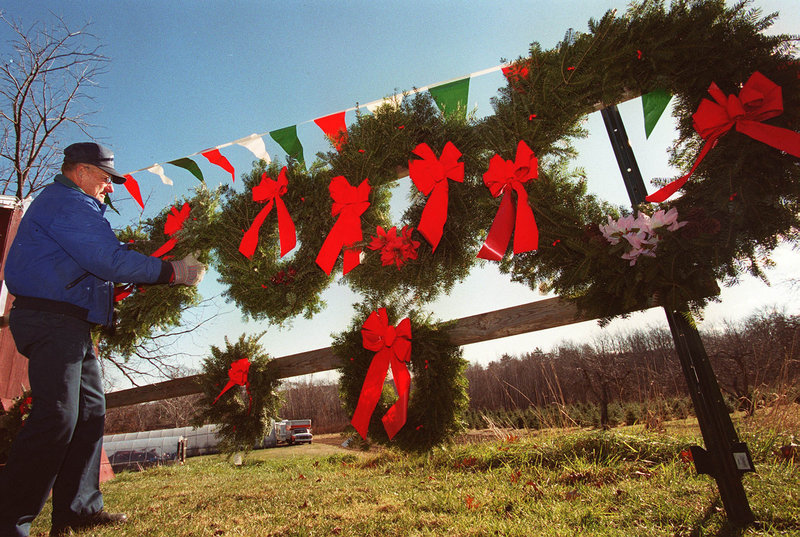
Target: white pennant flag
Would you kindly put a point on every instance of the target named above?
(393, 101)
(256, 146)
(159, 171)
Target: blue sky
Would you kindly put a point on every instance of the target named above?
(189, 75)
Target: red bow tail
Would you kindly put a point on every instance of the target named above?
(371, 391)
(166, 247)
(520, 220)
(250, 239)
(395, 417)
(434, 215)
(345, 232)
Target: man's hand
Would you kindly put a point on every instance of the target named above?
(188, 271)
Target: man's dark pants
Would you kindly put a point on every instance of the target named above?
(59, 446)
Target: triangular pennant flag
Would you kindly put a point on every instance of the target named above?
(393, 101)
(288, 140)
(334, 128)
(653, 105)
(452, 96)
(189, 165)
(159, 171)
(215, 157)
(133, 189)
(255, 145)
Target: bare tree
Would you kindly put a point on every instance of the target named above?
(43, 85)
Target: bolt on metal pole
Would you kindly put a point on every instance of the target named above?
(725, 458)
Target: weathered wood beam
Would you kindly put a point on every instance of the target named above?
(540, 315)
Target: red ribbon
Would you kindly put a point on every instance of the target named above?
(270, 191)
(392, 348)
(237, 375)
(502, 177)
(175, 220)
(349, 203)
(759, 99)
(430, 176)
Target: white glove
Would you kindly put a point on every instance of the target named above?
(188, 271)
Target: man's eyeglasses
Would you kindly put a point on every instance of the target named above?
(106, 177)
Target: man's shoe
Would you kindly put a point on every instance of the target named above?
(101, 518)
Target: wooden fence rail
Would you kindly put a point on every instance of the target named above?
(540, 315)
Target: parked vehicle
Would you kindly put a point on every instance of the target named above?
(301, 435)
(288, 432)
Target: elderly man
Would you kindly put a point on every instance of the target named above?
(61, 268)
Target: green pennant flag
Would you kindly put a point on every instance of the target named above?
(190, 165)
(653, 105)
(452, 96)
(288, 140)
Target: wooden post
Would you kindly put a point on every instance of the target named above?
(726, 458)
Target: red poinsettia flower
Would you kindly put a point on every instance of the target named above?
(395, 250)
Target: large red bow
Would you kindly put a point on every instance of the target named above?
(349, 202)
(237, 375)
(270, 191)
(392, 347)
(759, 99)
(502, 177)
(174, 223)
(430, 176)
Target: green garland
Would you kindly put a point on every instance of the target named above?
(243, 424)
(438, 398)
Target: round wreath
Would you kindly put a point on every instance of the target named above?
(141, 311)
(266, 286)
(243, 409)
(438, 397)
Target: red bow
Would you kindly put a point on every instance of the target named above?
(759, 99)
(175, 220)
(392, 347)
(430, 176)
(395, 250)
(349, 203)
(502, 177)
(270, 191)
(237, 375)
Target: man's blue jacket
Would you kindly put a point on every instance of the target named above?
(65, 257)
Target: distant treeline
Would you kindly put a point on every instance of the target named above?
(617, 378)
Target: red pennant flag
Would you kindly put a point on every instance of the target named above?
(502, 177)
(349, 202)
(392, 348)
(759, 99)
(215, 157)
(334, 128)
(430, 175)
(133, 189)
(237, 375)
(270, 192)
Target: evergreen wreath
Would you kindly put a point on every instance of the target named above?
(267, 286)
(438, 398)
(243, 412)
(152, 308)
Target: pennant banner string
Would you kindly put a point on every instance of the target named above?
(255, 142)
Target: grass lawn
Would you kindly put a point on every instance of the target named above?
(624, 482)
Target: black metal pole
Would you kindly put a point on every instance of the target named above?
(725, 457)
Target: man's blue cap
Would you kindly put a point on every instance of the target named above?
(95, 154)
